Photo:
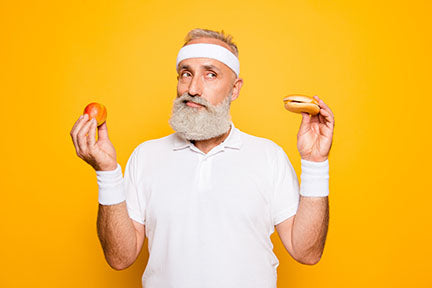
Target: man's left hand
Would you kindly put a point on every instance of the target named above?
(315, 135)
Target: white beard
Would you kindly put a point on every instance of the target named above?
(200, 123)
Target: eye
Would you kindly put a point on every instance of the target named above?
(211, 75)
(185, 74)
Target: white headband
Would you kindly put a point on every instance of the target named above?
(204, 50)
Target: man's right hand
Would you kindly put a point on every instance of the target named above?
(100, 154)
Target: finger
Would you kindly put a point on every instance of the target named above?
(82, 138)
(322, 118)
(75, 130)
(306, 118)
(103, 131)
(327, 114)
(78, 121)
(92, 134)
(326, 118)
(72, 132)
(323, 105)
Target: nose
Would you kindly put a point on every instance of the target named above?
(195, 86)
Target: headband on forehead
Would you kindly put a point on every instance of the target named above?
(205, 50)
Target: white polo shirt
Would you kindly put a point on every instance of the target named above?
(209, 217)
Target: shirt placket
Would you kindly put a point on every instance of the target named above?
(205, 168)
(204, 173)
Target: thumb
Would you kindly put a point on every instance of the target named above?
(103, 131)
(305, 124)
(306, 118)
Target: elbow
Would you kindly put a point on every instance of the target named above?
(120, 260)
(118, 264)
(117, 267)
(309, 260)
(309, 256)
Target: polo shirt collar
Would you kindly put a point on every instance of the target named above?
(232, 141)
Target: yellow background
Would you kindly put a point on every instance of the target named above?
(369, 60)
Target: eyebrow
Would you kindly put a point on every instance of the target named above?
(183, 66)
(211, 67)
(207, 67)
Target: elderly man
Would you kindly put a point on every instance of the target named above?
(209, 196)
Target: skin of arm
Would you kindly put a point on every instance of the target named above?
(304, 234)
(121, 237)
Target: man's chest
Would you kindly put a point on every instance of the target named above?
(215, 189)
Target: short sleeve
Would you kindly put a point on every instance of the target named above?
(286, 195)
(134, 197)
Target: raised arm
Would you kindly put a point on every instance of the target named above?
(121, 237)
(304, 234)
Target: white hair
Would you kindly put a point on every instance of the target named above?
(200, 124)
(205, 33)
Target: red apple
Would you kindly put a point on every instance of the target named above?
(97, 111)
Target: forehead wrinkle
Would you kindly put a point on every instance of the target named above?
(210, 67)
(204, 66)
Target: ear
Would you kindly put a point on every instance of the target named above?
(238, 83)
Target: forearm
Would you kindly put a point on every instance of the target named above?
(117, 235)
(115, 229)
(310, 223)
(310, 229)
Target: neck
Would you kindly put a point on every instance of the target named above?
(208, 144)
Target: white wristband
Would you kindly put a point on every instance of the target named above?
(110, 185)
(314, 178)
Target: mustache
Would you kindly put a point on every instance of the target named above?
(186, 97)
